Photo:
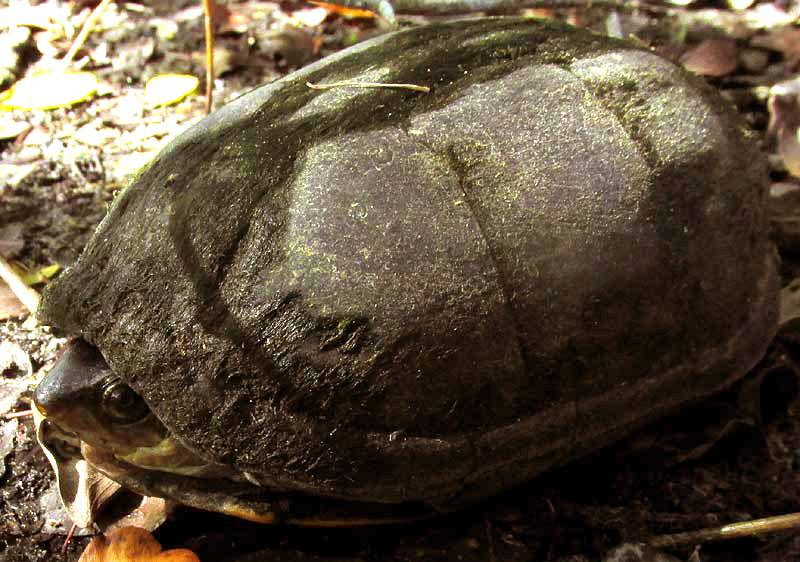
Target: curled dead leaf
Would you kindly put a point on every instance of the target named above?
(132, 544)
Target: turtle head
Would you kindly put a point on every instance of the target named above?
(90, 413)
(83, 396)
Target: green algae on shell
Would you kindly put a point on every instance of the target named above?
(391, 296)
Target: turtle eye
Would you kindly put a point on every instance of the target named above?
(122, 404)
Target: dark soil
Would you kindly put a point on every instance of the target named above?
(729, 459)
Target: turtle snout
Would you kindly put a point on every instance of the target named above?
(77, 371)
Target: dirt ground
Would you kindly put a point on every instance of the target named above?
(729, 459)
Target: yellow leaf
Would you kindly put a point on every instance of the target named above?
(132, 544)
(40, 275)
(165, 89)
(49, 90)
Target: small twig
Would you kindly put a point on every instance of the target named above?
(87, 27)
(27, 296)
(20, 414)
(383, 8)
(489, 538)
(790, 521)
(68, 540)
(208, 13)
(357, 84)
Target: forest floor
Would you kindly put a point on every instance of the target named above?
(60, 168)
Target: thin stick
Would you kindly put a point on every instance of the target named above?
(489, 538)
(357, 84)
(87, 27)
(27, 296)
(790, 521)
(20, 414)
(68, 540)
(208, 12)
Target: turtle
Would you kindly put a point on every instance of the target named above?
(414, 274)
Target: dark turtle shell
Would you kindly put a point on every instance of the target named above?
(388, 295)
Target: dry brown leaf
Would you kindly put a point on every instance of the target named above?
(228, 20)
(10, 307)
(712, 57)
(11, 240)
(236, 22)
(132, 544)
(785, 40)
